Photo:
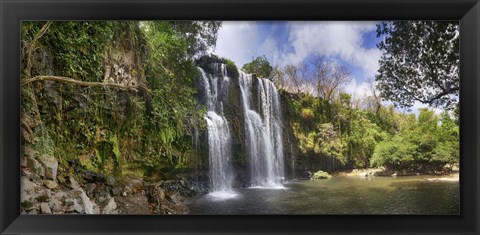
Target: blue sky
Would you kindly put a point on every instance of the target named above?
(352, 44)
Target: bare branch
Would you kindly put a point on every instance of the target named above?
(82, 83)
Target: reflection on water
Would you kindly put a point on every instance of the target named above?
(340, 195)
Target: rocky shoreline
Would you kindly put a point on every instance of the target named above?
(42, 192)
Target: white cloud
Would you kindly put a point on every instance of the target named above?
(361, 90)
(334, 39)
(237, 41)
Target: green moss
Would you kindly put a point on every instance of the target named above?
(115, 147)
(320, 175)
(206, 62)
(44, 144)
(26, 204)
(232, 70)
(42, 198)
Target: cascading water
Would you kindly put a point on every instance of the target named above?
(263, 132)
(219, 139)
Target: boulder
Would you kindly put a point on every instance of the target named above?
(45, 208)
(155, 193)
(174, 198)
(96, 209)
(27, 190)
(90, 189)
(29, 174)
(73, 183)
(115, 191)
(91, 176)
(50, 164)
(26, 197)
(50, 184)
(55, 205)
(111, 181)
(79, 202)
(47, 192)
(27, 185)
(135, 184)
(101, 199)
(70, 201)
(85, 201)
(75, 207)
(36, 167)
(60, 195)
(127, 191)
(110, 206)
(32, 212)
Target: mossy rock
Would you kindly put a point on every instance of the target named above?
(208, 63)
(320, 175)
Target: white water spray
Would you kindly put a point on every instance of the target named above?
(219, 139)
(263, 133)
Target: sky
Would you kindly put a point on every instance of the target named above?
(351, 44)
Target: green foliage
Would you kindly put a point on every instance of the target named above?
(420, 62)
(320, 175)
(207, 63)
(363, 139)
(380, 137)
(76, 47)
(198, 35)
(421, 145)
(307, 114)
(232, 69)
(44, 145)
(259, 66)
(316, 133)
(107, 129)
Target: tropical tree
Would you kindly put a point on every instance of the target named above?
(420, 62)
(259, 66)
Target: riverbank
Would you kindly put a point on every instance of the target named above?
(380, 172)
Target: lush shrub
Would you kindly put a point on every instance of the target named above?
(208, 62)
(307, 114)
(320, 175)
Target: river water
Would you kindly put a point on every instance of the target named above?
(340, 195)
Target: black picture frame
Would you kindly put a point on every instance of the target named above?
(12, 12)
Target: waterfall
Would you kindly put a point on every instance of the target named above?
(219, 139)
(263, 132)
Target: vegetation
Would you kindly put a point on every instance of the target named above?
(420, 145)
(103, 99)
(95, 91)
(420, 62)
(321, 175)
(259, 66)
(354, 137)
(206, 62)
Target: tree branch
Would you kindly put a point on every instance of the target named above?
(81, 83)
